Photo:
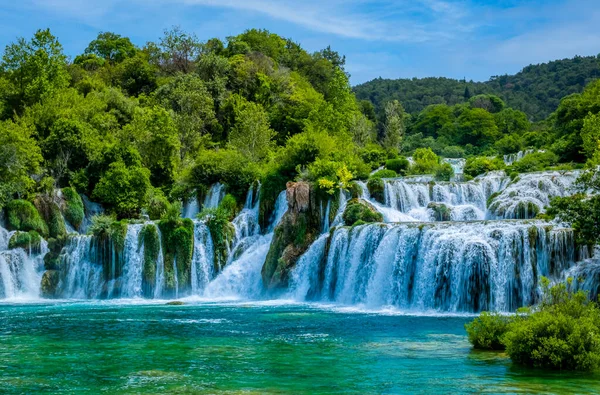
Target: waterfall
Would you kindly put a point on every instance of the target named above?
(241, 278)
(527, 196)
(215, 194)
(90, 209)
(159, 282)
(325, 220)
(460, 267)
(458, 164)
(20, 270)
(84, 277)
(202, 258)
(133, 257)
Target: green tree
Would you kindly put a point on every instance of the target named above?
(477, 126)
(394, 125)
(251, 133)
(590, 134)
(34, 68)
(155, 134)
(20, 157)
(124, 189)
(111, 47)
(193, 108)
(179, 50)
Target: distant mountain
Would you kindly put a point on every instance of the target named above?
(535, 90)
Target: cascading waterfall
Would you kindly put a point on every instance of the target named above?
(20, 270)
(527, 196)
(202, 259)
(84, 276)
(133, 257)
(215, 194)
(459, 267)
(476, 257)
(241, 278)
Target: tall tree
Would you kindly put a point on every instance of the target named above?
(251, 133)
(394, 125)
(111, 47)
(34, 68)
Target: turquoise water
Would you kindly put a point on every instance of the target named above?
(251, 348)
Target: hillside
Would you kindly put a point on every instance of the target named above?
(536, 90)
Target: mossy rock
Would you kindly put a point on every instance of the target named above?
(360, 210)
(150, 240)
(441, 212)
(23, 216)
(175, 303)
(73, 209)
(50, 284)
(178, 248)
(355, 190)
(490, 199)
(376, 187)
(29, 241)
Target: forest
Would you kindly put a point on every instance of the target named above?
(140, 130)
(536, 90)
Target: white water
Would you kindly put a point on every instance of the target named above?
(20, 271)
(214, 196)
(460, 267)
(530, 193)
(241, 278)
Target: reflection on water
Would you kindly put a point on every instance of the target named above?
(252, 348)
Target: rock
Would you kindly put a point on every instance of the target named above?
(298, 228)
(175, 303)
(441, 212)
(50, 281)
(298, 196)
(360, 211)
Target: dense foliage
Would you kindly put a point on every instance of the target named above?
(536, 90)
(561, 332)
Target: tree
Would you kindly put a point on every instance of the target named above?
(136, 75)
(590, 134)
(20, 157)
(362, 130)
(193, 108)
(490, 103)
(111, 47)
(477, 126)
(394, 125)
(124, 189)
(251, 133)
(67, 146)
(34, 69)
(153, 131)
(179, 50)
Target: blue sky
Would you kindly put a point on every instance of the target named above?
(391, 39)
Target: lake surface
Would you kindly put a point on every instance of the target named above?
(262, 347)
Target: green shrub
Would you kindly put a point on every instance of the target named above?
(562, 333)
(399, 165)
(74, 211)
(486, 331)
(482, 164)
(374, 156)
(536, 161)
(29, 241)
(385, 173)
(426, 161)
(358, 210)
(444, 172)
(376, 188)
(158, 204)
(22, 215)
